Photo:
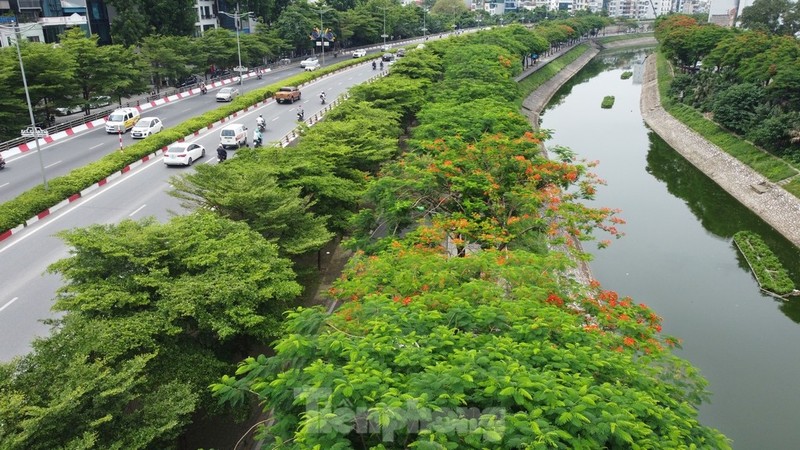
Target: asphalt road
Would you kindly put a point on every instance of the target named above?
(27, 291)
(23, 171)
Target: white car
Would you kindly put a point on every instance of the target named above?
(183, 154)
(309, 62)
(146, 126)
(359, 53)
(310, 67)
(227, 94)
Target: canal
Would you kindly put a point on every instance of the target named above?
(678, 257)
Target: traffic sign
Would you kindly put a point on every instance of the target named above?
(34, 132)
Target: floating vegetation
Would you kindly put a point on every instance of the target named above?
(608, 102)
(627, 74)
(768, 270)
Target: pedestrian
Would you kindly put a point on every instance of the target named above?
(222, 154)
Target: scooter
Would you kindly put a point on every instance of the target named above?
(374, 66)
(2, 162)
(262, 127)
(203, 90)
(300, 115)
(322, 98)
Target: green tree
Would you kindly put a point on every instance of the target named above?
(169, 57)
(50, 73)
(151, 314)
(97, 70)
(735, 107)
(772, 16)
(453, 8)
(128, 27)
(243, 191)
(479, 352)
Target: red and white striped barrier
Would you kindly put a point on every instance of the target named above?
(22, 148)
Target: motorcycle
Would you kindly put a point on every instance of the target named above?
(262, 127)
(374, 66)
(258, 76)
(222, 154)
(322, 98)
(300, 115)
(2, 162)
(203, 90)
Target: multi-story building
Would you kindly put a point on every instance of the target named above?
(44, 20)
(206, 16)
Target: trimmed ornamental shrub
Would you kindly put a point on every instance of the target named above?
(608, 102)
(767, 268)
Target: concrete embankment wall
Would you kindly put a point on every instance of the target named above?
(772, 203)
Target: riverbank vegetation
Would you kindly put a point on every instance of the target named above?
(608, 102)
(456, 323)
(457, 326)
(767, 268)
(737, 88)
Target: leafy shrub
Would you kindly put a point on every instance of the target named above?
(735, 107)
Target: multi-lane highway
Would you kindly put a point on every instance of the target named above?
(26, 290)
(23, 171)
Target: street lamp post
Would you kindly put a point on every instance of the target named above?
(237, 18)
(322, 33)
(18, 34)
(384, 35)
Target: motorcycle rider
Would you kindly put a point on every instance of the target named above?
(257, 137)
(322, 97)
(222, 154)
(203, 88)
(300, 113)
(261, 123)
(374, 65)
(381, 65)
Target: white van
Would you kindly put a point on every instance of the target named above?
(122, 120)
(233, 136)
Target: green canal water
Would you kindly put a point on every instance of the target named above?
(678, 257)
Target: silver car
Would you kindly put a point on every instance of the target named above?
(227, 94)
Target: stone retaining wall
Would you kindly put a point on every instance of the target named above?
(772, 203)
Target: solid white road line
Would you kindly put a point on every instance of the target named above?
(9, 303)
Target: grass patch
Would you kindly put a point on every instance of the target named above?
(608, 102)
(627, 74)
(541, 76)
(768, 270)
(766, 164)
